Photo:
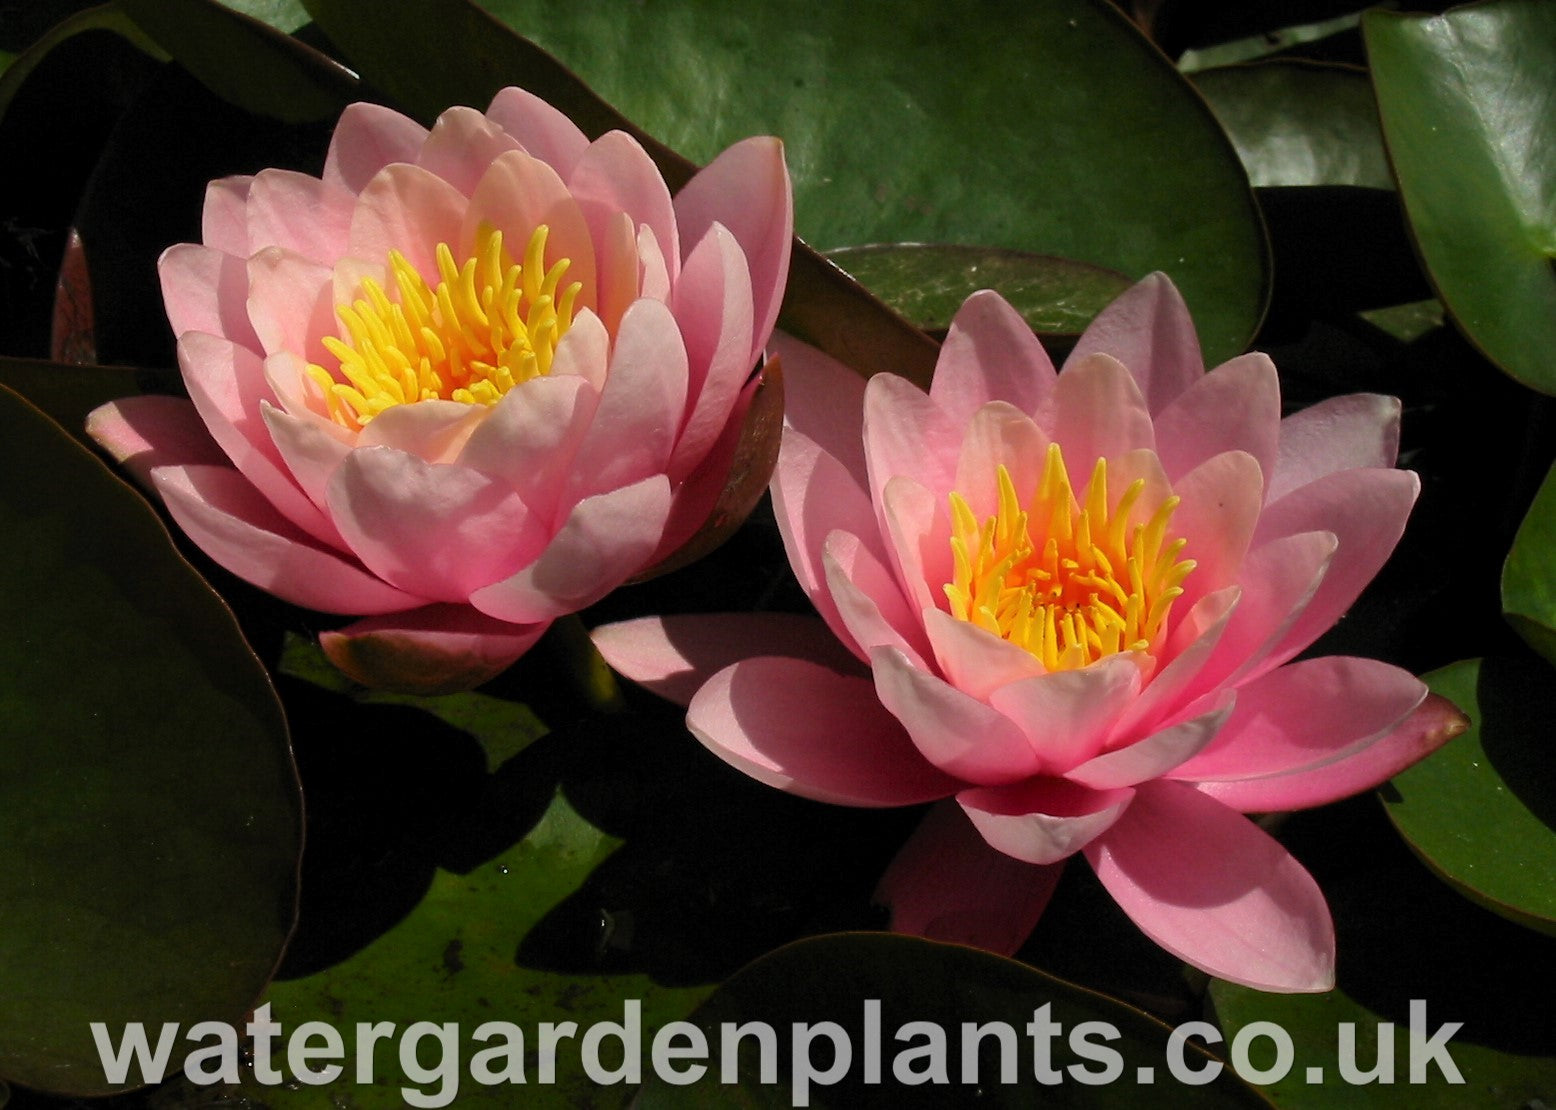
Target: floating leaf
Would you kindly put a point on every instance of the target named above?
(1482, 811)
(107, 17)
(1262, 45)
(829, 979)
(927, 283)
(1300, 123)
(1529, 575)
(150, 820)
(67, 393)
(1465, 103)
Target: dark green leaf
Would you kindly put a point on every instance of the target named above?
(107, 17)
(1466, 108)
(1482, 811)
(67, 393)
(1298, 123)
(1255, 47)
(150, 820)
(1529, 575)
(927, 283)
(829, 979)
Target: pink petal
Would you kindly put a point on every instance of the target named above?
(542, 130)
(440, 531)
(1156, 754)
(300, 214)
(1235, 407)
(653, 267)
(947, 884)
(1098, 413)
(954, 731)
(639, 414)
(434, 431)
(1214, 889)
(918, 528)
(1306, 714)
(224, 218)
(517, 194)
(990, 354)
(614, 174)
(907, 436)
(1431, 725)
(1217, 516)
(368, 138)
(712, 305)
(1149, 330)
(462, 144)
(232, 523)
(1192, 644)
(673, 656)
(530, 438)
(824, 400)
(1066, 715)
(291, 302)
(439, 649)
(1342, 433)
(206, 290)
(142, 433)
(604, 541)
(1366, 510)
(869, 600)
(310, 447)
(796, 725)
(973, 660)
(406, 209)
(732, 468)
(1042, 820)
(746, 188)
(618, 271)
(999, 434)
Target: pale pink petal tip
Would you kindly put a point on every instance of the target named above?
(439, 649)
(141, 433)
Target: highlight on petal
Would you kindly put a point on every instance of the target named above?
(781, 722)
(438, 649)
(947, 884)
(1214, 889)
(1358, 430)
(1066, 715)
(143, 433)
(1042, 820)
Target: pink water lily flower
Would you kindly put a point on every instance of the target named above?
(467, 381)
(1068, 604)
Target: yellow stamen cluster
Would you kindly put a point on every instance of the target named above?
(488, 326)
(1068, 583)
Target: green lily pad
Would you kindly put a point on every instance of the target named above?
(1261, 46)
(1465, 104)
(1407, 322)
(928, 282)
(1482, 810)
(106, 17)
(150, 819)
(1529, 576)
(1300, 123)
(1071, 135)
(1408, 947)
(950, 988)
(67, 393)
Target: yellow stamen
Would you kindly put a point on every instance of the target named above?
(1068, 583)
(488, 326)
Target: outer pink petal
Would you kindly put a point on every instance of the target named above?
(1212, 888)
(990, 354)
(439, 649)
(634, 427)
(141, 433)
(206, 290)
(407, 209)
(530, 438)
(229, 520)
(712, 305)
(973, 660)
(291, 303)
(1305, 714)
(1235, 407)
(823, 400)
(697, 498)
(1042, 820)
(1156, 754)
(540, 129)
(673, 656)
(1150, 331)
(614, 174)
(869, 599)
(1366, 510)
(1066, 715)
(746, 188)
(603, 542)
(462, 144)
(516, 195)
(947, 884)
(298, 213)
(1433, 723)
(368, 138)
(800, 727)
(1098, 412)
(1217, 516)
(435, 431)
(954, 731)
(1342, 433)
(438, 530)
(907, 436)
(224, 222)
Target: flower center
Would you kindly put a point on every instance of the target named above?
(488, 326)
(1066, 582)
